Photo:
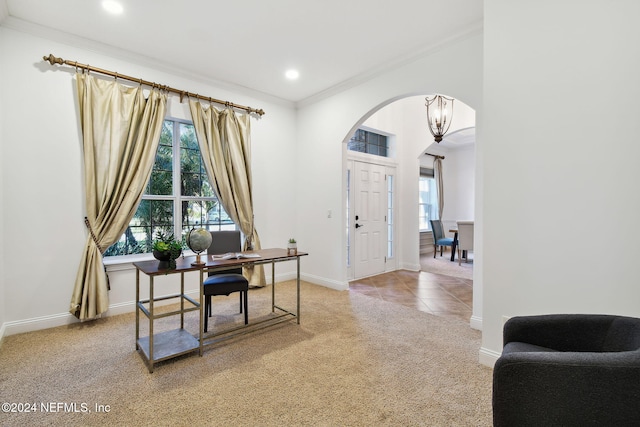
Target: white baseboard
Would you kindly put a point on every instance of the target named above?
(328, 283)
(37, 323)
(61, 319)
(488, 357)
(3, 328)
(476, 322)
(316, 280)
(410, 267)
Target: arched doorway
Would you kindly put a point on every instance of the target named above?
(403, 120)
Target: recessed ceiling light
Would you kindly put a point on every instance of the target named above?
(112, 7)
(292, 74)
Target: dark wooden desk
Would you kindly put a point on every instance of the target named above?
(165, 345)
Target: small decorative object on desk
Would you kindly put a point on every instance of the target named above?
(292, 247)
(198, 240)
(165, 247)
(236, 255)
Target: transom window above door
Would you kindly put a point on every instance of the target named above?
(364, 141)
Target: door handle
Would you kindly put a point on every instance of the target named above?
(358, 225)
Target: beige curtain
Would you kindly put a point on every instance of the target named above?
(224, 140)
(437, 172)
(121, 131)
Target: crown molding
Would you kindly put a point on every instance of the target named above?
(122, 54)
(10, 22)
(401, 61)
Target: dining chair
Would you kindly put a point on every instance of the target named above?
(225, 282)
(438, 237)
(465, 240)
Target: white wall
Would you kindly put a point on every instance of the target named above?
(560, 137)
(3, 309)
(42, 178)
(458, 175)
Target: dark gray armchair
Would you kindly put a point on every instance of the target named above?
(568, 370)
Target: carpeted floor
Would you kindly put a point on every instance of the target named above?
(444, 265)
(353, 361)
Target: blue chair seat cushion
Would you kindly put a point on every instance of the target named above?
(225, 284)
(445, 241)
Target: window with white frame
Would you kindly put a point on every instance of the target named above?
(178, 196)
(428, 199)
(365, 141)
(390, 217)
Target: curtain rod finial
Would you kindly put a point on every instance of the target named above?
(53, 60)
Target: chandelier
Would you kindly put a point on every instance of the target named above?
(439, 115)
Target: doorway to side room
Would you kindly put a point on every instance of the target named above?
(457, 153)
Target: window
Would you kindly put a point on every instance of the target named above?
(178, 196)
(364, 141)
(428, 199)
(390, 218)
(348, 221)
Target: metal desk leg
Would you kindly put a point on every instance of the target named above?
(182, 300)
(137, 308)
(273, 287)
(202, 313)
(151, 318)
(298, 286)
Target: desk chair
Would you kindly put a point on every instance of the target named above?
(438, 237)
(227, 281)
(465, 240)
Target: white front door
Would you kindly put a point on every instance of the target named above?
(369, 224)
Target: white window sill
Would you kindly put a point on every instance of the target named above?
(125, 262)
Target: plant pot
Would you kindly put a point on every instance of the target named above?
(162, 256)
(292, 249)
(165, 255)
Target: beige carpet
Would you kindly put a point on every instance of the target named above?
(353, 361)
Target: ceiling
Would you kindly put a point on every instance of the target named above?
(251, 43)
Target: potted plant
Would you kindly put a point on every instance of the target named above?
(165, 247)
(292, 247)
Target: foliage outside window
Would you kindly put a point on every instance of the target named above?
(428, 200)
(178, 184)
(364, 141)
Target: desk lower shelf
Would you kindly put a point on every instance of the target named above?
(169, 344)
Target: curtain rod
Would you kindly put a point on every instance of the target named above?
(54, 60)
(434, 155)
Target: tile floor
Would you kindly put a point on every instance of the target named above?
(433, 293)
